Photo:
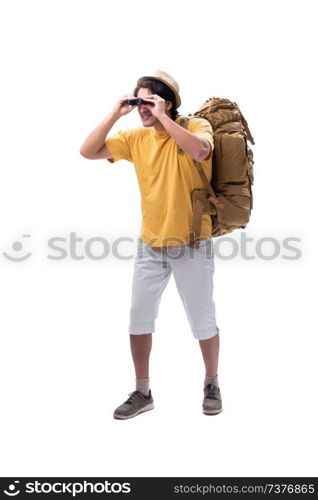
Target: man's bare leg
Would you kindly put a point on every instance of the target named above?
(140, 346)
(212, 402)
(210, 353)
(141, 399)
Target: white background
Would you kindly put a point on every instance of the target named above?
(64, 343)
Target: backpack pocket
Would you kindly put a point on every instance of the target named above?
(232, 159)
(236, 209)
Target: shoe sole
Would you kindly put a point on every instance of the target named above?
(211, 412)
(141, 410)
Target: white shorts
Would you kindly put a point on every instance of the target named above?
(192, 269)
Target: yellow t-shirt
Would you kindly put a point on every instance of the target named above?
(166, 179)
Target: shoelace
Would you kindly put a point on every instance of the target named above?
(132, 397)
(213, 390)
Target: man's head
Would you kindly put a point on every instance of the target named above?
(147, 86)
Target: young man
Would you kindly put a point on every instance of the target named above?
(166, 177)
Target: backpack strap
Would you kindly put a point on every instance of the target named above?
(204, 201)
(183, 122)
(205, 181)
(245, 125)
(198, 207)
(201, 205)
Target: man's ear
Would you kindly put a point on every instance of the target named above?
(168, 105)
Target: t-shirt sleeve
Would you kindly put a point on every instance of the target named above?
(120, 145)
(202, 128)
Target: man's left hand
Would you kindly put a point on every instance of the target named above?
(156, 105)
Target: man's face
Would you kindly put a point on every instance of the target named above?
(147, 118)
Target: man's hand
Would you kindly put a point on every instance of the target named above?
(121, 109)
(157, 105)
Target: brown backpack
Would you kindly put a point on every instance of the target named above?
(228, 197)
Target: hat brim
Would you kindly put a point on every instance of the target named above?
(176, 93)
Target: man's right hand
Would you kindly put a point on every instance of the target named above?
(121, 109)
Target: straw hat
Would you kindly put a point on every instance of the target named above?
(167, 79)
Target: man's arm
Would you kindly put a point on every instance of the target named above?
(198, 148)
(94, 147)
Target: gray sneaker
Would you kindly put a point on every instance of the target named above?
(212, 402)
(135, 404)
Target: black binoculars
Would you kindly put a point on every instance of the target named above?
(136, 102)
